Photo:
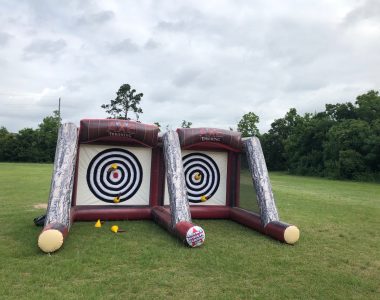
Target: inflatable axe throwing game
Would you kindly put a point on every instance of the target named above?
(124, 170)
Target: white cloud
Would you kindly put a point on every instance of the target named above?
(42, 48)
(208, 62)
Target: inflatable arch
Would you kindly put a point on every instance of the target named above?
(124, 170)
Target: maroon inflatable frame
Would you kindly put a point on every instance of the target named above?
(135, 134)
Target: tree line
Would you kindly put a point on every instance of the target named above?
(343, 141)
(31, 145)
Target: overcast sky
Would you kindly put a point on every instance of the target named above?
(208, 62)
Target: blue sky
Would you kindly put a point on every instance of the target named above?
(208, 62)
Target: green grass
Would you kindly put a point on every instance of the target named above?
(337, 256)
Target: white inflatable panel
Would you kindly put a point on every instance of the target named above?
(109, 172)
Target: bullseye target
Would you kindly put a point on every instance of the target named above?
(205, 175)
(202, 177)
(114, 174)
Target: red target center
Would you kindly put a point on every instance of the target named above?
(115, 175)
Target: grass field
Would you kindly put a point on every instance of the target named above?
(337, 257)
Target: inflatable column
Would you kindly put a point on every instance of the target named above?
(268, 221)
(179, 221)
(260, 176)
(57, 223)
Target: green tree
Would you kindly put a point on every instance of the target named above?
(350, 164)
(26, 146)
(127, 99)
(7, 141)
(368, 106)
(345, 149)
(47, 134)
(273, 142)
(304, 146)
(158, 125)
(341, 111)
(247, 125)
(372, 153)
(186, 124)
(31, 145)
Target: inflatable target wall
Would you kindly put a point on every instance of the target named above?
(117, 170)
(211, 162)
(122, 170)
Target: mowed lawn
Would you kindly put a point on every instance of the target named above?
(337, 257)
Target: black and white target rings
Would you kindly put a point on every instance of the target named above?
(114, 175)
(202, 177)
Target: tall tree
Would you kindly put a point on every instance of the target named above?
(127, 99)
(304, 145)
(341, 111)
(186, 124)
(26, 146)
(158, 125)
(368, 106)
(273, 142)
(6, 145)
(247, 125)
(47, 134)
(345, 148)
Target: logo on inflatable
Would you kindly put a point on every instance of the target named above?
(195, 236)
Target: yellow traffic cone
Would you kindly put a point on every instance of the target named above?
(98, 224)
